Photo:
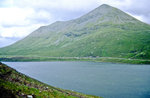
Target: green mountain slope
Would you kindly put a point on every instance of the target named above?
(16, 85)
(105, 32)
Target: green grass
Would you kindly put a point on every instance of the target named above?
(14, 84)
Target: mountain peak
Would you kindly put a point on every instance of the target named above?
(106, 13)
(102, 8)
(104, 5)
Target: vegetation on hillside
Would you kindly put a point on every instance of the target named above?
(104, 32)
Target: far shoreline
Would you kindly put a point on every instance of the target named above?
(93, 59)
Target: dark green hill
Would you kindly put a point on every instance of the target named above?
(104, 32)
(16, 85)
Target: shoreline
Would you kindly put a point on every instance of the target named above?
(93, 59)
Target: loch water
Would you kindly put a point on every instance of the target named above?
(109, 80)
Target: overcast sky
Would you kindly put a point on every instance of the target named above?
(18, 18)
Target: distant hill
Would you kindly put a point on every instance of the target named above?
(104, 32)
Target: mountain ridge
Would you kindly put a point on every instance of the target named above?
(105, 32)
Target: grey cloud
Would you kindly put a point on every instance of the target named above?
(139, 8)
(13, 25)
(37, 20)
(5, 41)
(142, 8)
(64, 15)
(59, 10)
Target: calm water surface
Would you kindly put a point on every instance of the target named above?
(102, 79)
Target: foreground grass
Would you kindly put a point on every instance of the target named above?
(95, 59)
(15, 85)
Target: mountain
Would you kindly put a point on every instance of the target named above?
(104, 32)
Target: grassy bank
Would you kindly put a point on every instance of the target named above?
(123, 60)
(96, 59)
(15, 85)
